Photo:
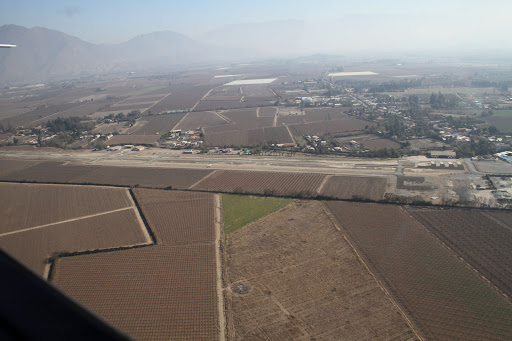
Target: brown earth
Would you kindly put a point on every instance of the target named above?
(151, 293)
(109, 230)
(177, 217)
(292, 275)
(485, 243)
(444, 298)
(348, 187)
(262, 183)
(27, 205)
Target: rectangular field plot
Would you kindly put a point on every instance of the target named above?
(333, 126)
(8, 166)
(292, 275)
(160, 124)
(48, 171)
(445, 298)
(483, 242)
(349, 187)
(143, 176)
(197, 120)
(262, 183)
(267, 112)
(151, 293)
(117, 229)
(181, 97)
(28, 205)
(177, 217)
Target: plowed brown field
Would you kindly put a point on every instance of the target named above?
(28, 205)
(292, 275)
(478, 238)
(150, 177)
(177, 217)
(262, 183)
(348, 187)
(197, 120)
(151, 293)
(444, 297)
(109, 230)
(48, 171)
(8, 166)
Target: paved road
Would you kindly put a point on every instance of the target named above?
(162, 159)
(471, 167)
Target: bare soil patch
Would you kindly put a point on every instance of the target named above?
(292, 275)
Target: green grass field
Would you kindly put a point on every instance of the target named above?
(240, 210)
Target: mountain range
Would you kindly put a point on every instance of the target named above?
(43, 54)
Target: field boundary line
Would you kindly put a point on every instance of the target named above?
(289, 132)
(204, 96)
(224, 117)
(173, 128)
(143, 217)
(139, 218)
(402, 312)
(497, 221)
(156, 102)
(203, 178)
(66, 221)
(322, 184)
(218, 261)
(459, 257)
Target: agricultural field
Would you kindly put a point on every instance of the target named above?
(236, 138)
(240, 210)
(229, 135)
(48, 171)
(8, 166)
(376, 144)
(333, 126)
(28, 205)
(247, 119)
(445, 299)
(252, 182)
(197, 120)
(143, 176)
(267, 111)
(133, 139)
(221, 104)
(292, 275)
(177, 217)
(106, 230)
(297, 116)
(109, 128)
(158, 124)
(157, 292)
(225, 93)
(349, 187)
(42, 112)
(483, 239)
(506, 113)
(181, 97)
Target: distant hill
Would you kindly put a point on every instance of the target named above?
(43, 54)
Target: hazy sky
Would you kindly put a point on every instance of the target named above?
(111, 21)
